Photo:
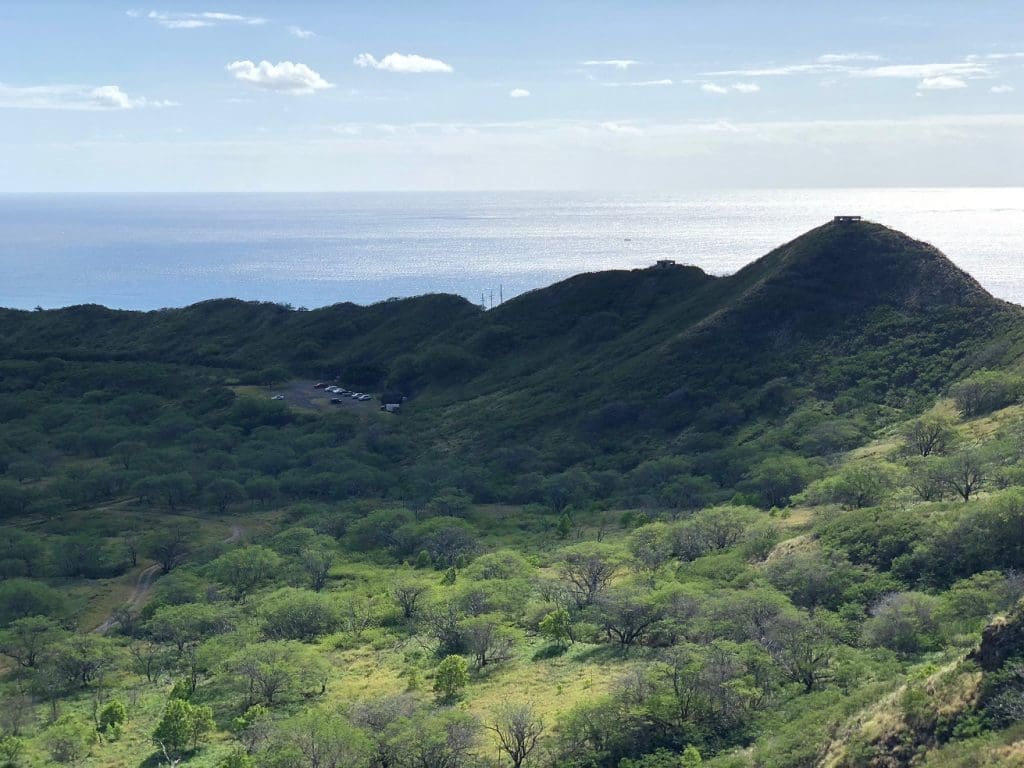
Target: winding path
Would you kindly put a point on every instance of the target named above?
(144, 583)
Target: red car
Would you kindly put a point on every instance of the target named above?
(319, 385)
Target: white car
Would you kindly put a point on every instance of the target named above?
(364, 397)
(277, 397)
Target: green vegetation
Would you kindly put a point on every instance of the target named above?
(635, 520)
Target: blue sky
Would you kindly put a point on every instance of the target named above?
(225, 96)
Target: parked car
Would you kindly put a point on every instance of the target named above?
(364, 397)
(319, 385)
(335, 400)
(277, 397)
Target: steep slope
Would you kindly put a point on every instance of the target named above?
(854, 315)
(851, 308)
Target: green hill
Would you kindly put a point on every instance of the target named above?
(637, 519)
(857, 318)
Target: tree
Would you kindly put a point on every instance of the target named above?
(444, 740)
(275, 670)
(21, 553)
(261, 490)
(128, 453)
(298, 614)
(319, 739)
(20, 598)
(627, 615)
(69, 740)
(14, 501)
(181, 726)
(518, 728)
(930, 434)
(237, 759)
(407, 596)
(80, 660)
(223, 492)
(26, 639)
(802, 649)
(450, 678)
(712, 530)
(778, 477)
(905, 622)
(856, 485)
(245, 568)
(486, 639)
(986, 391)
(965, 471)
(556, 626)
(316, 562)
(663, 758)
(111, 717)
(252, 727)
(570, 488)
(149, 659)
(589, 568)
(377, 717)
(925, 477)
(11, 749)
(651, 546)
(172, 490)
(168, 547)
(190, 623)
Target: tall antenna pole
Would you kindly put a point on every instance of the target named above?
(501, 294)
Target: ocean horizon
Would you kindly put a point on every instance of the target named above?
(146, 252)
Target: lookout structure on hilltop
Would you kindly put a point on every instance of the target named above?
(844, 219)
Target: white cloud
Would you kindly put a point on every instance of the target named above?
(621, 129)
(285, 76)
(1001, 56)
(518, 93)
(403, 63)
(843, 58)
(958, 69)
(83, 98)
(941, 83)
(735, 87)
(853, 66)
(176, 20)
(639, 83)
(788, 69)
(616, 63)
(1004, 88)
(302, 34)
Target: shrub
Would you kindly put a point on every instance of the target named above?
(986, 391)
(451, 678)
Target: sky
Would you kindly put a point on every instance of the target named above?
(243, 95)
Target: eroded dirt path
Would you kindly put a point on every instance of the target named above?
(144, 584)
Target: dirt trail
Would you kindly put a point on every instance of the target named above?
(144, 583)
(142, 586)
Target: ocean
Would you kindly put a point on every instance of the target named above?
(310, 250)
